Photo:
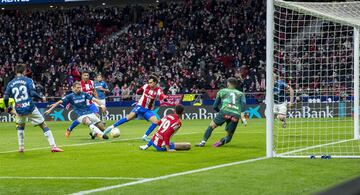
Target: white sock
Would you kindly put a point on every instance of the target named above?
(96, 130)
(21, 138)
(50, 138)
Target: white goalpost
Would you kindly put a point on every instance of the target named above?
(314, 49)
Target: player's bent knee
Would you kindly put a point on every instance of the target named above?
(86, 121)
(213, 125)
(131, 116)
(100, 125)
(42, 125)
(154, 120)
(281, 117)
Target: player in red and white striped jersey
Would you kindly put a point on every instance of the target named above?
(150, 92)
(170, 124)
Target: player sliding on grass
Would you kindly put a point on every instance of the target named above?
(78, 100)
(170, 124)
(232, 104)
(22, 89)
(149, 93)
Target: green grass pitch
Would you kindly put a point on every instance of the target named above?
(90, 164)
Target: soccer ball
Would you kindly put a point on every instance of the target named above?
(114, 133)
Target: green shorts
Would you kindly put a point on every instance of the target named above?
(231, 120)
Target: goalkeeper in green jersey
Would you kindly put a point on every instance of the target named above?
(231, 102)
(10, 109)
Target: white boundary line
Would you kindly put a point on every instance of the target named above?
(73, 178)
(166, 176)
(313, 147)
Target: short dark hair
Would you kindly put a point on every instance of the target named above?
(154, 78)
(99, 74)
(179, 109)
(20, 68)
(85, 71)
(232, 81)
(76, 83)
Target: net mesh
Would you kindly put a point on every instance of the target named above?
(313, 54)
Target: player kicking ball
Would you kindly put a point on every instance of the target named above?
(232, 104)
(170, 124)
(78, 100)
(144, 107)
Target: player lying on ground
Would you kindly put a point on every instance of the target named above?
(232, 104)
(78, 99)
(170, 124)
(150, 92)
(22, 89)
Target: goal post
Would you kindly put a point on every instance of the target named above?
(314, 49)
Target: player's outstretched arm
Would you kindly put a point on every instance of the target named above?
(291, 96)
(140, 91)
(102, 107)
(95, 94)
(105, 90)
(52, 107)
(12, 111)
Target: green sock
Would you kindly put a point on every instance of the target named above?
(208, 133)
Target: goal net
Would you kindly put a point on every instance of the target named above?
(314, 49)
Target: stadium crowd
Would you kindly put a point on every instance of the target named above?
(193, 46)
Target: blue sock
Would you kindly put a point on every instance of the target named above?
(150, 129)
(73, 125)
(46, 129)
(119, 122)
(149, 143)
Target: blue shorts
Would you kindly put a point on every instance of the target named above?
(143, 112)
(93, 108)
(162, 149)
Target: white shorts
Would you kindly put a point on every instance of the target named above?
(93, 118)
(103, 101)
(35, 117)
(280, 108)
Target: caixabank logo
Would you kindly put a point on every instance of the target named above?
(57, 115)
(253, 112)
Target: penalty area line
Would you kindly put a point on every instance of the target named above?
(166, 176)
